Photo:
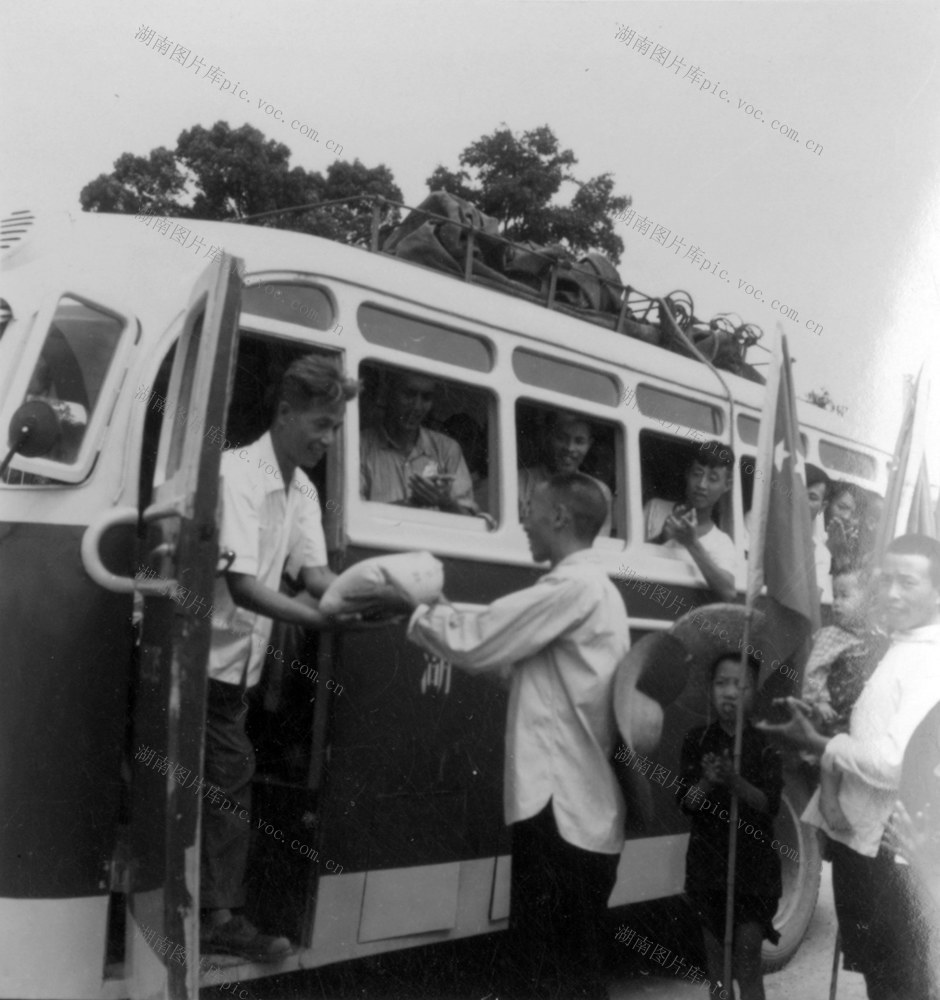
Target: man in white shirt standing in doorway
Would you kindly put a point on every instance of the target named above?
(560, 642)
(882, 935)
(270, 518)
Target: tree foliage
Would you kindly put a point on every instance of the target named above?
(515, 178)
(230, 173)
(224, 173)
(155, 181)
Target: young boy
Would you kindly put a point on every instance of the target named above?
(707, 782)
(689, 528)
(844, 655)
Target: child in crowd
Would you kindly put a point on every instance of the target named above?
(707, 771)
(845, 514)
(844, 654)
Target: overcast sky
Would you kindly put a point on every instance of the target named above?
(847, 237)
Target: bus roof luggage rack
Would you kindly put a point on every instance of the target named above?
(450, 235)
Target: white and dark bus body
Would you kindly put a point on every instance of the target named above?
(131, 354)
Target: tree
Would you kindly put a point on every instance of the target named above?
(225, 173)
(515, 179)
(352, 223)
(821, 398)
(155, 181)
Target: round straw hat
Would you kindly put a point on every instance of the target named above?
(650, 676)
(774, 639)
(666, 668)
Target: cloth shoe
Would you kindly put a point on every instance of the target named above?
(239, 936)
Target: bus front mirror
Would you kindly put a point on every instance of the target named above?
(34, 431)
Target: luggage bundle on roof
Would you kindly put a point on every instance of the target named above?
(451, 235)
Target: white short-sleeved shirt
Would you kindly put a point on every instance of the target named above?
(718, 545)
(895, 700)
(265, 526)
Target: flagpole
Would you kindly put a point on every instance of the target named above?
(892, 511)
(754, 581)
(733, 832)
(908, 492)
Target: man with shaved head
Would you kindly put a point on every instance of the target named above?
(559, 644)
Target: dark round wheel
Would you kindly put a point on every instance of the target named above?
(801, 864)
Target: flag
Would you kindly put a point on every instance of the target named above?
(907, 500)
(921, 519)
(782, 556)
(782, 549)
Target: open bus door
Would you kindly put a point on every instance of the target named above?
(179, 535)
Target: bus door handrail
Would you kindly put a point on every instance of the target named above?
(116, 582)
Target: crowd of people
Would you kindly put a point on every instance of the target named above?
(871, 682)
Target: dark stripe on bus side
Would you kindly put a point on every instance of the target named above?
(65, 653)
(417, 778)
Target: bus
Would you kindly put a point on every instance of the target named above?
(133, 351)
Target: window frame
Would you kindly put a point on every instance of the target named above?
(71, 473)
(484, 342)
(835, 473)
(259, 280)
(381, 513)
(268, 328)
(560, 359)
(667, 569)
(596, 413)
(714, 406)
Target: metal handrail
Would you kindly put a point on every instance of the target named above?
(634, 311)
(380, 201)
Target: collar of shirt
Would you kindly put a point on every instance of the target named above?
(926, 633)
(264, 452)
(422, 445)
(575, 558)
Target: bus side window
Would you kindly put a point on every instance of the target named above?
(425, 441)
(664, 462)
(552, 440)
(746, 474)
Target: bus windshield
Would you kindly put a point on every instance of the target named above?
(69, 373)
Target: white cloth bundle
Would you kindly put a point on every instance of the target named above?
(412, 577)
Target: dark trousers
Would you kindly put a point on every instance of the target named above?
(558, 906)
(883, 936)
(226, 822)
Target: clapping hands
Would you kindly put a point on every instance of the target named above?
(681, 525)
(436, 491)
(718, 770)
(842, 535)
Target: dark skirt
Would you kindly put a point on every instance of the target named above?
(748, 909)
